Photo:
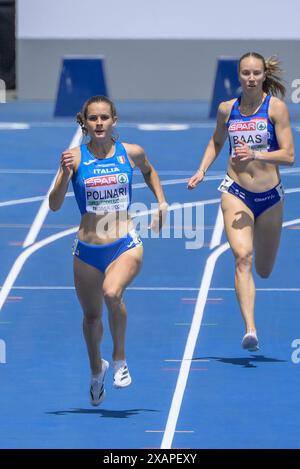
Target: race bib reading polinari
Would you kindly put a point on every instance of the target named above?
(253, 132)
(108, 193)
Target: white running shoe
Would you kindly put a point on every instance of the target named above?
(122, 378)
(250, 341)
(97, 391)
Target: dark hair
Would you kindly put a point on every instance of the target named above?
(273, 83)
(82, 116)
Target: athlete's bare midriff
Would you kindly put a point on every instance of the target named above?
(255, 176)
(104, 229)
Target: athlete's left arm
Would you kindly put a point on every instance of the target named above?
(279, 115)
(138, 157)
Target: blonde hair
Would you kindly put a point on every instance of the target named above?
(273, 83)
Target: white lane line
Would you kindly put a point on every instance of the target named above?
(14, 126)
(261, 289)
(44, 208)
(287, 171)
(38, 288)
(27, 171)
(171, 126)
(218, 231)
(57, 287)
(53, 124)
(190, 347)
(163, 127)
(176, 431)
(29, 125)
(192, 360)
(158, 289)
(292, 190)
(18, 264)
(291, 222)
(29, 200)
(192, 340)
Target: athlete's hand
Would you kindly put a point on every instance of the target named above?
(196, 179)
(243, 152)
(67, 162)
(159, 217)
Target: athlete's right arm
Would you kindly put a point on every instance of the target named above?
(68, 164)
(214, 146)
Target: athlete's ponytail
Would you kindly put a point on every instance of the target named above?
(80, 121)
(273, 83)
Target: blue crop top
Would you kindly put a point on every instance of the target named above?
(103, 185)
(256, 130)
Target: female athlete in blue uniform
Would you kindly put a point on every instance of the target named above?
(260, 140)
(107, 251)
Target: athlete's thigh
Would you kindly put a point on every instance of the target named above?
(88, 283)
(267, 232)
(122, 270)
(238, 223)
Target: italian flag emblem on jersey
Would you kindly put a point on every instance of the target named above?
(121, 159)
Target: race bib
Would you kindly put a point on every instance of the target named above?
(108, 193)
(253, 132)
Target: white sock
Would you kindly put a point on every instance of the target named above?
(118, 364)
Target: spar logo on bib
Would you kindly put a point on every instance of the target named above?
(101, 181)
(238, 126)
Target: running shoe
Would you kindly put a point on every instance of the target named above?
(250, 341)
(97, 390)
(122, 378)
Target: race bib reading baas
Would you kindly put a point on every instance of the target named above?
(253, 132)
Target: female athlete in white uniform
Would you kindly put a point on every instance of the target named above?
(260, 139)
(107, 251)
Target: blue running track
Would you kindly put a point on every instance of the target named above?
(193, 385)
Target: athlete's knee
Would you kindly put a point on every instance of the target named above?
(243, 259)
(91, 318)
(112, 296)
